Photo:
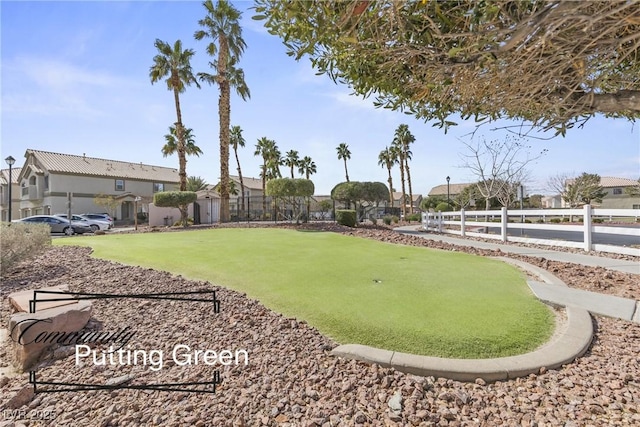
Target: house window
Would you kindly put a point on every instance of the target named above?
(617, 191)
(157, 187)
(32, 180)
(119, 184)
(46, 182)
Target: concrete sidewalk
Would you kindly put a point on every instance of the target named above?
(624, 266)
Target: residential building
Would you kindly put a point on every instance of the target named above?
(4, 194)
(49, 180)
(617, 194)
(397, 201)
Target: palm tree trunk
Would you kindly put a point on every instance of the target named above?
(346, 174)
(390, 180)
(403, 207)
(224, 108)
(182, 157)
(241, 212)
(410, 190)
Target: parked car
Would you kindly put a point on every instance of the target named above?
(100, 217)
(95, 224)
(57, 224)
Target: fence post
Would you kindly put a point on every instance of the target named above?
(503, 224)
(587, 228)
(462, 230)
(439, 221)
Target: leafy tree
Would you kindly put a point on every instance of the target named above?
(586, 189)
(363, 194)
(175, 64)
(233, 189)
(171, 145)
(633, 191)
(106, 201)
(237, 140)
(481, 59)
(325, 206)
(196, 183)
(467, 197)
(291, 160)
(431, 202)
(267, 149)
(176, 199)
(387, 158)
(292, 192)
(344, 154)
(221, 25)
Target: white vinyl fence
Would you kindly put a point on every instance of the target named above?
(479, 223)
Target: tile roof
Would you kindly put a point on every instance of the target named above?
(4, 175)
(397, 195)
(608, 181)
(441, 190)
(91, 166)
(251, 183)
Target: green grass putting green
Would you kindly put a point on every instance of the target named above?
(355, 290)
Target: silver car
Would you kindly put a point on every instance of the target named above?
(57, 224)
(94, 224)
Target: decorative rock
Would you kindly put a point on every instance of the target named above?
(24, 328)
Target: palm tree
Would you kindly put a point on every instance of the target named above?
(387, 158)
(237, 140)
(221, 26)
(175, 64)
(265, 148)
(399, 155)
(344, 154)
(171, 146)
(291, 160)
(307, 167)
(403, 138)
(196, 183)
(232, 188)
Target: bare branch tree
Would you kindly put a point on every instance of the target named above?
(499, 166)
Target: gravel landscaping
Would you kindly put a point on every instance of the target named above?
(291, 380)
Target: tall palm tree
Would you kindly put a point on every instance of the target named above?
(221, 25)
(237, 140)
(396, 149)
(291, 160)
(387, 158)
(344, 154)
(196, 183)
(171, 145)
(265, 148)
(175, 64)
(404, 139)
(307, 167)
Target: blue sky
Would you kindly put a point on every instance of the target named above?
(75, 79)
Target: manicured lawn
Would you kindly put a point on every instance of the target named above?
(355, 290)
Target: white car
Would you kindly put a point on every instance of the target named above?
(94, 224)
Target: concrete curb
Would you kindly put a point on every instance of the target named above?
(570, 343)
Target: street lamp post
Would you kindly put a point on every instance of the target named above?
(448, 199)
(10, 161)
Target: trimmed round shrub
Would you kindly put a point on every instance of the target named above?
(387, 220)
(443, 207)
(346, 217)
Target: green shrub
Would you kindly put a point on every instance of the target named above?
(387, 219)
(443, 207)
(597, 220)
(565, 219)
(555, 220)
(179, 222)
(174, 199)
(540, 221)
(414, 217)
(346, 217)
(142, 216)
(395, 219)
(21, 241)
